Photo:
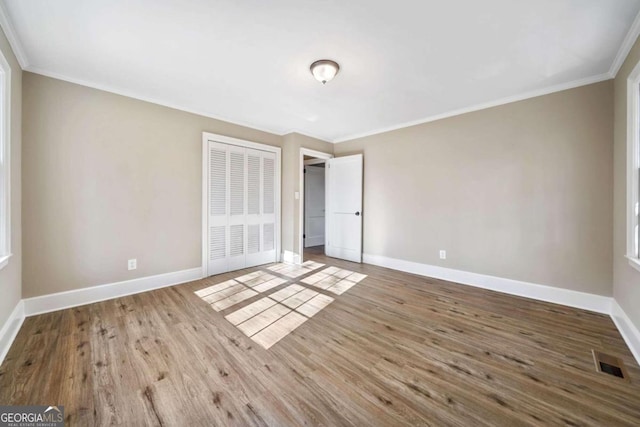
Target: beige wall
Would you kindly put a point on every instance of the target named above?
(291, 170)
(514, 191)
(626, 280)
(108, 178)
(520, 191)
(11, 274)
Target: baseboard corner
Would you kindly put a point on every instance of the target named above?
(628, 330)
(10, 329)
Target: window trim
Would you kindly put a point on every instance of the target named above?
(5, 169)
(633, 164)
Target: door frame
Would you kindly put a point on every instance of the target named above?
(317, 155)
(311, 169)
(212, 137)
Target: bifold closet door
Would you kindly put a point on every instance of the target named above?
(242, 209)
(236, 246)
(261, 209)
(218, 195)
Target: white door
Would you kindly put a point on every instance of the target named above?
(314, 209)
(242, 209)
(344, 208)
(261, 208)
(237, 208)
(218, 200)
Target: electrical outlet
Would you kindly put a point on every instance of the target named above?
(132, 264)
(443, 254)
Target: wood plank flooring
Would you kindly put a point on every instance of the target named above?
(396, 349)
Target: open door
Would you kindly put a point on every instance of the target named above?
(314, 205)
(344, 208)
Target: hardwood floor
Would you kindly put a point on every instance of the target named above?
(395, 349)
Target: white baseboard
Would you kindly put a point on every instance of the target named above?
(68, 299)
(10, 329)
(77, 297)
(627, 329)
(583, 300)
(289, 257)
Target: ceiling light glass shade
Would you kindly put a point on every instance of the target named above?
(324, 70)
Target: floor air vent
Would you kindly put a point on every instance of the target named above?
(609, 365)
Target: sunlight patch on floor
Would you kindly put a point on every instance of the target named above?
(272, 318)
(334, 279)
(261, 281)
(225, 294)
(293, 271)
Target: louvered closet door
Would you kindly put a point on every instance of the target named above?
(242, 207)
(218, 208)
(260, 207)
(236, 247)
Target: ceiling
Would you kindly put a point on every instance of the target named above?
(247, 61)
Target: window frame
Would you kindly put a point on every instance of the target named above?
(5, 161)
(633, 167)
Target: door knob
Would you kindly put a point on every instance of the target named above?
(357, 213)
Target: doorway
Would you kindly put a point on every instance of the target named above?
(314, 205)
(312, 221)
(341, 207)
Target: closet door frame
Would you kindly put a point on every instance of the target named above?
(211, 137)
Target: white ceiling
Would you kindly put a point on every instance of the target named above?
(247, 61)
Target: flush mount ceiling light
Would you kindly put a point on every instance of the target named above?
(324, 70)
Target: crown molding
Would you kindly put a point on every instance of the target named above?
(308, 135)
(132, 94)
(483, 106)
(477, 107)
(625, 47)
(623, 51)
(135, 95)
(12, 36)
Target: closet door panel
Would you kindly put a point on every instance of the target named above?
(255, 214)
(237, 235)
(268, 220)
(218, 176)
